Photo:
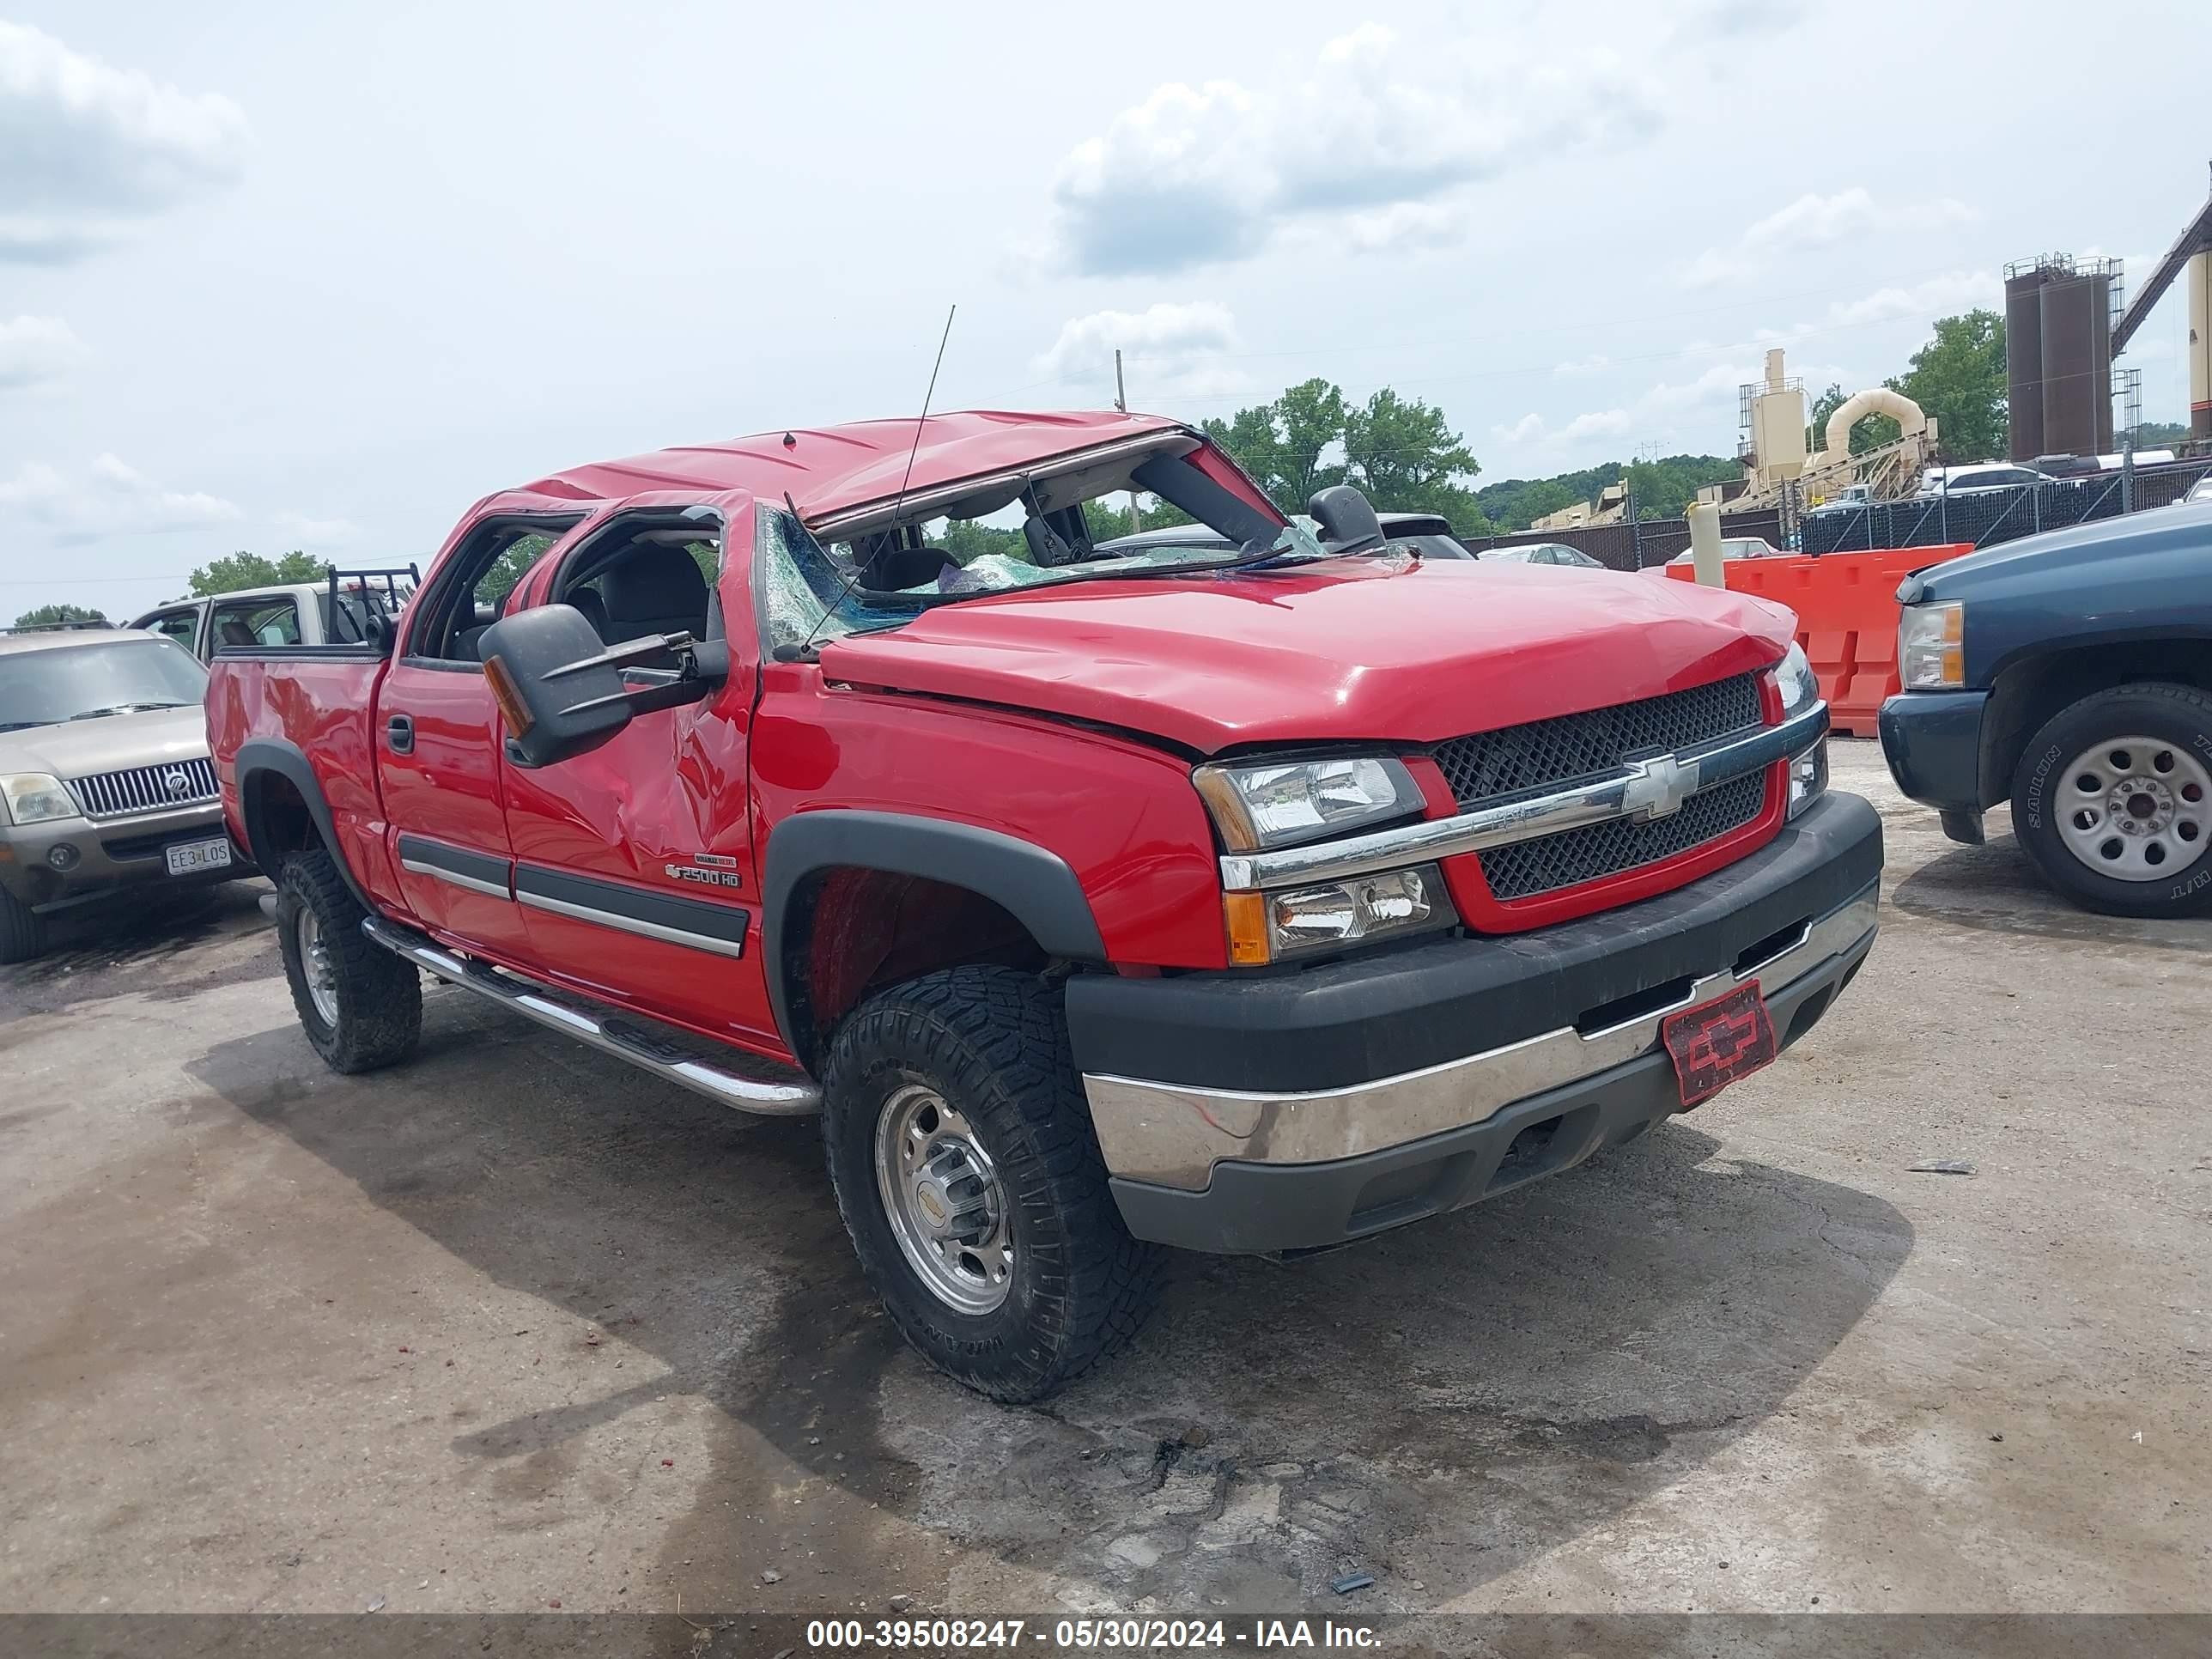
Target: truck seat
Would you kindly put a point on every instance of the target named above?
(654, 590)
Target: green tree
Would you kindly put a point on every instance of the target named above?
(227, 575)
(1281, 444)
(1403, 455)
(47, 614)
(2160, 434)
(1959, 377)
(1868, 432)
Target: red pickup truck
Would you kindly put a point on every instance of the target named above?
(1256, 895)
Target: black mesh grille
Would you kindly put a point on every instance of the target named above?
(1529, 868)
(1545, 752)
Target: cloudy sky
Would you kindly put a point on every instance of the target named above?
(320, 276)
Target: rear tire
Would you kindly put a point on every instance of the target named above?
(22, 931)
(966, 1170)
(359, 1005)
(2122, 780)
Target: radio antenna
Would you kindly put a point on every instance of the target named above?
(859, 565)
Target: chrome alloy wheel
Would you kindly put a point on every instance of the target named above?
(945, 1201)
(315, 964)
(2136, 809)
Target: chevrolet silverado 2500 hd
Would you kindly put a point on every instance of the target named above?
(1253, 896)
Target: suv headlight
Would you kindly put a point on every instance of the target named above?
(1259, 805)
(1931, 645)
(33, 798)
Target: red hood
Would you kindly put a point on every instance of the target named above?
(1350, 648)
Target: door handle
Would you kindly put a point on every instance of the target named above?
(399, 733)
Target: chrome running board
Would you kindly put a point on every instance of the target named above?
(626, 1036)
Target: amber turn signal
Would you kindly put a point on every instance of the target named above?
(1246, 916)
(507, 695)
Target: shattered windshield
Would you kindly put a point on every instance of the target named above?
(816, 593)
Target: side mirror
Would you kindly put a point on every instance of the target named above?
(1346, 518)
(564, 693)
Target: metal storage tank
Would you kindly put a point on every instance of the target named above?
(2058, 355)
(2024, 359)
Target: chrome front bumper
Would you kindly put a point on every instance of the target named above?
(1172, 1136)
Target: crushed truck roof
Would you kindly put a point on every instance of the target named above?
(834, 469)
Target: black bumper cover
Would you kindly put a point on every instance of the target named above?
(1397, 1011)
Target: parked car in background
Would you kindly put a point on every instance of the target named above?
(1985, 474)
(105, 780)
(294, 614)
(2199, 491)
(1542, 553)
(1736, 547)
(1426, 533)
(1249, 892)
(2070, 673)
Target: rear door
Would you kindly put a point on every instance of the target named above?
(438, 736)
(634, 863)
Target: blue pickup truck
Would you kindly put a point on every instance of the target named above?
(2070, 673)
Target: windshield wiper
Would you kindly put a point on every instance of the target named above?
(124, 709)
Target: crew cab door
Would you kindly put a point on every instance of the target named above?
(437, 735)
(633, 862)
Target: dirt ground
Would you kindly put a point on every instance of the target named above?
(512, 1326)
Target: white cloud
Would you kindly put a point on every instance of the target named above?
(301, 530)
(109, 499)
(1407, 226)
(1367, 145)
(1815, 220)
(1170, 351)
(1739, 19)
(89, 149)
(1596, 363)
(35, 349)
(1923, 301)
(1533, 428)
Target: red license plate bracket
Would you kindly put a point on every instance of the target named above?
(1716, 1042)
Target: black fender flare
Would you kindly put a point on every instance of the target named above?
(289, 762)
(1034, 886)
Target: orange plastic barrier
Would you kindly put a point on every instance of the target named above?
(1846, 606)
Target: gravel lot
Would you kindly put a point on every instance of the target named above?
(513, 1325)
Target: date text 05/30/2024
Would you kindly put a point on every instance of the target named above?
(1086, 1635)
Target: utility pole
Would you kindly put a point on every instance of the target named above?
(1122, 403)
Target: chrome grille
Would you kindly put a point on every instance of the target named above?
(1527, 868)
(1543, 753)
(1490, 766)
(146, 788)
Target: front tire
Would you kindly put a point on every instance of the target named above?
(22, 930)
(359, 1005)
(961, 1149)
(2112, 799)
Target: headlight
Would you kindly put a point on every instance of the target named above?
(33, 797)
(1931, 648)
(1266, 927)
(1808, 778)
(1265, 803)
(1794, 676)
(1808, 767)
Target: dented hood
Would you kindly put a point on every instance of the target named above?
(1347, 649)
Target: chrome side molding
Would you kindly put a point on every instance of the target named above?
(621, 1035)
